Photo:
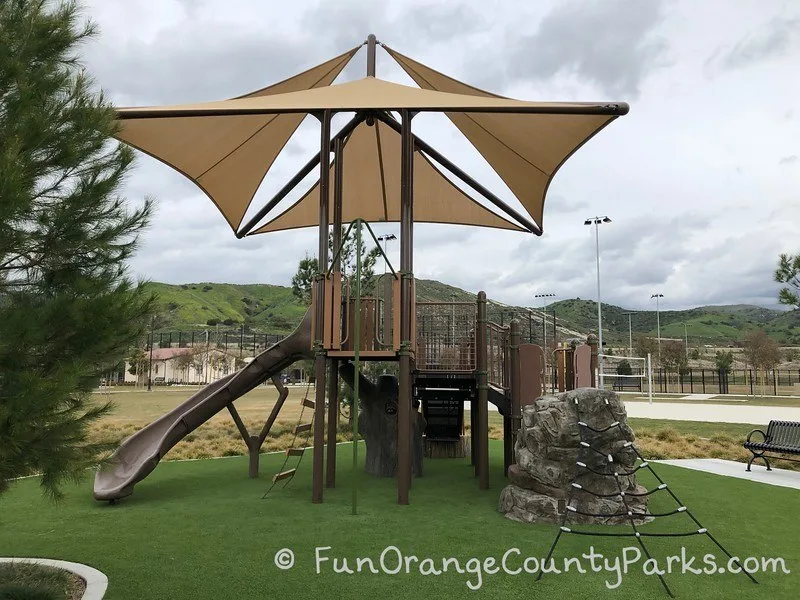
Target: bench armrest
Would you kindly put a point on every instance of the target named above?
(763, 435)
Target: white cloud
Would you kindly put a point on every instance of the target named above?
(698, 178)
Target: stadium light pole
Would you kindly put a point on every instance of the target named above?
(630, 333)
(544, 317)
(597, 221)
(386, 239)
(685, 340)
(658, 323)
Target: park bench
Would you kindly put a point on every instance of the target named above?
(626, 383)
(781, 436)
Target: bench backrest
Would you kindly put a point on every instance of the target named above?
(784, 433)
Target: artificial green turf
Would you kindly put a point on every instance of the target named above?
(201, 530)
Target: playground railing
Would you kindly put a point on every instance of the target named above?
(445, 336)
(497, 344)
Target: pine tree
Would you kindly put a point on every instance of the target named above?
(307, 268)
(69, 312)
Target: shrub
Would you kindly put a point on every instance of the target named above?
(624, 368)
(667, 435)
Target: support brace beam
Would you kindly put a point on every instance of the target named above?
(463, 176)
(299, 176)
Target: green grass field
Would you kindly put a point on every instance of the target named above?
(200, 530)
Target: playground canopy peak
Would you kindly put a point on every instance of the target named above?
(227, 147)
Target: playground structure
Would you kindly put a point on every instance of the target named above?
(380, 172)
(445, 378)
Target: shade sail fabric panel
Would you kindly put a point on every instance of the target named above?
(228, 157)
(321, 75)
(371, 188)
(368, 93)
(525, 151)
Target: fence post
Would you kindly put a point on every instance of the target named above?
(750, 371)
(481, 439)
(591, 339)
(703, 379)
(691, 381)
(774, 382)
(649, 379)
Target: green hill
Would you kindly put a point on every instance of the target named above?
(706, 324)
(272, 309)
(260, 307)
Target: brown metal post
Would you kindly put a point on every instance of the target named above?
(482, 416)
(333, 382)
(473, 431)
(591, 340)
(516, 399)
(371, 55)
(319, 309)
(508, 427)
(404, 412)
(333, 422)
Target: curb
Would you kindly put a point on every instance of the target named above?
(96, 582)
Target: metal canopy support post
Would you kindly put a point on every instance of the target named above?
(333, 383)
(319, 308)
(482, 408)
(356, 365)
(404, 412)
(371, 55)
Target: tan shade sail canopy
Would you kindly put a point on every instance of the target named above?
(371, 166)
(228, 158)
(227, 147)
(368, 93)
(525, 152)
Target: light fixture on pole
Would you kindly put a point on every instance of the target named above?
(386, 239)
(658, 323)
(544, 317)
(597, 221)
(630, 333)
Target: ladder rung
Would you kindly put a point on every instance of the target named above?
(283, 475)
(302, 427)
(295, 451)
(309, 403)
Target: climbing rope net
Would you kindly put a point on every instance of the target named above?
(295, 451)
(628, 513)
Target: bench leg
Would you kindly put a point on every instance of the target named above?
(755, 456)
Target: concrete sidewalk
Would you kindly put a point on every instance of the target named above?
(729, 468)
(715, 413)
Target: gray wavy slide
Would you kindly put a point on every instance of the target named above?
(138, 455)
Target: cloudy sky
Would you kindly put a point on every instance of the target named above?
(701, 178)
